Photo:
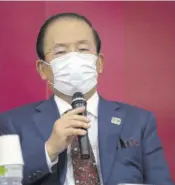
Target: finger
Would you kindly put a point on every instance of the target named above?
(77, 124)
(75, 111)
(79, 118)
(75, 132)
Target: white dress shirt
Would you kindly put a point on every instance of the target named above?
(92, 114)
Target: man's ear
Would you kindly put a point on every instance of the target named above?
(40, 69)
(100, 63)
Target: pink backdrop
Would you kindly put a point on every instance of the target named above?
(138, 44)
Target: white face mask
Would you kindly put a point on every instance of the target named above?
(74, 72)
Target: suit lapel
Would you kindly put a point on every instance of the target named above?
(108, 135)
(45, 117)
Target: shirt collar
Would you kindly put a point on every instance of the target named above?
(92, 104)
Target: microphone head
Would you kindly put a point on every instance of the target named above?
(78, 100)
(77, 95)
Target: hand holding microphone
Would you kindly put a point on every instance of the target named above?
(69, 125)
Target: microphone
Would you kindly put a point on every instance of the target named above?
(79, 101)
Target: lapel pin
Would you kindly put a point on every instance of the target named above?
(116, 120)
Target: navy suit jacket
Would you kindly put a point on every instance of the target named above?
(142, 163)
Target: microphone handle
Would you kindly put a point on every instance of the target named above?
(84, 143)
(84, 146)
(84, 140)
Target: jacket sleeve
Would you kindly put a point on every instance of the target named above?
(35, 164)
(155, 166)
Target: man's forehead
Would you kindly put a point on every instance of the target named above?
(68, 31)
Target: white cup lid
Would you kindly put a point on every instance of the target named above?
(10, 150)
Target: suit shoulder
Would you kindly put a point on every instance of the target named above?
(22, 110)
(129, 108)
(13, 120)
(134, 108)
(134, 112)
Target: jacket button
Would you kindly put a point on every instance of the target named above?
(39, 173)
(30, 177)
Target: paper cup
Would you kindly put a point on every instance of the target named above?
(10, 150)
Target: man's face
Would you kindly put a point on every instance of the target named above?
(64, 36)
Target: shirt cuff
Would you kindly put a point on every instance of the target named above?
(49, 162)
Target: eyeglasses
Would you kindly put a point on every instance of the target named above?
(59, 50)
(57, 53)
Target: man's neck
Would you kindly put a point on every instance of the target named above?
(69, 98)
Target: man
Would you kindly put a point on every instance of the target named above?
(125, 147)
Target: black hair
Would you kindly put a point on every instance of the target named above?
(41, 34)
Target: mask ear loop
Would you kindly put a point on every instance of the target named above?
(45, 62)
(46, 86)
(47, 79)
